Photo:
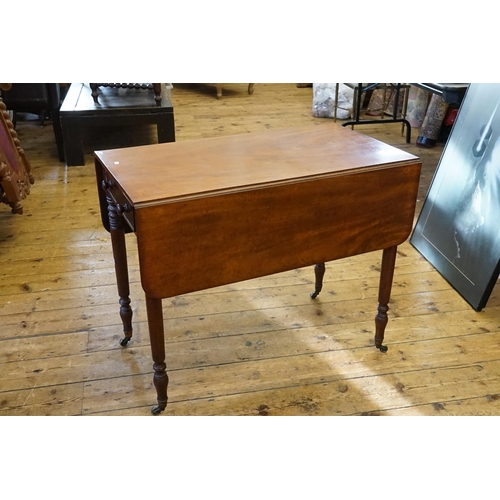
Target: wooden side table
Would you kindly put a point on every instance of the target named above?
(117, 106)
(217, 211)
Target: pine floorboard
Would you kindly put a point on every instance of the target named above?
(260, 347)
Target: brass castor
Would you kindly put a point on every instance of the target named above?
(157, 409)
(125, 341)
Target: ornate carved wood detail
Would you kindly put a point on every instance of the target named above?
(15, 169)
(9, 195)
(156, 87)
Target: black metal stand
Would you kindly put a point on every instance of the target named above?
(359, 89)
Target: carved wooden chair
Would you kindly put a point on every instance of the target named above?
(15, 169)
(155, 86)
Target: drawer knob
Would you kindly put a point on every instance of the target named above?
(123, 209)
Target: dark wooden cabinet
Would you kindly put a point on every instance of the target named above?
(115, 107)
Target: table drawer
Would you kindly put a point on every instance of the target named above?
(123, 205)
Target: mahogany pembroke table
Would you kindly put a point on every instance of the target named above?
(216, 211)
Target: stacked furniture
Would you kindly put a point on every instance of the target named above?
(117, 106)
(42, 99)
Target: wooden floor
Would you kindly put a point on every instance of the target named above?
(260, 347)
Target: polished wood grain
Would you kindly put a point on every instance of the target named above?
(60, 329)
(199, 168)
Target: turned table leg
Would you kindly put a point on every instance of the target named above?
(121, 267)
(384, 294)
(157, 337)
(319, 272)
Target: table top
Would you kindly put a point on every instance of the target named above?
(79, 100)
(169, 172)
